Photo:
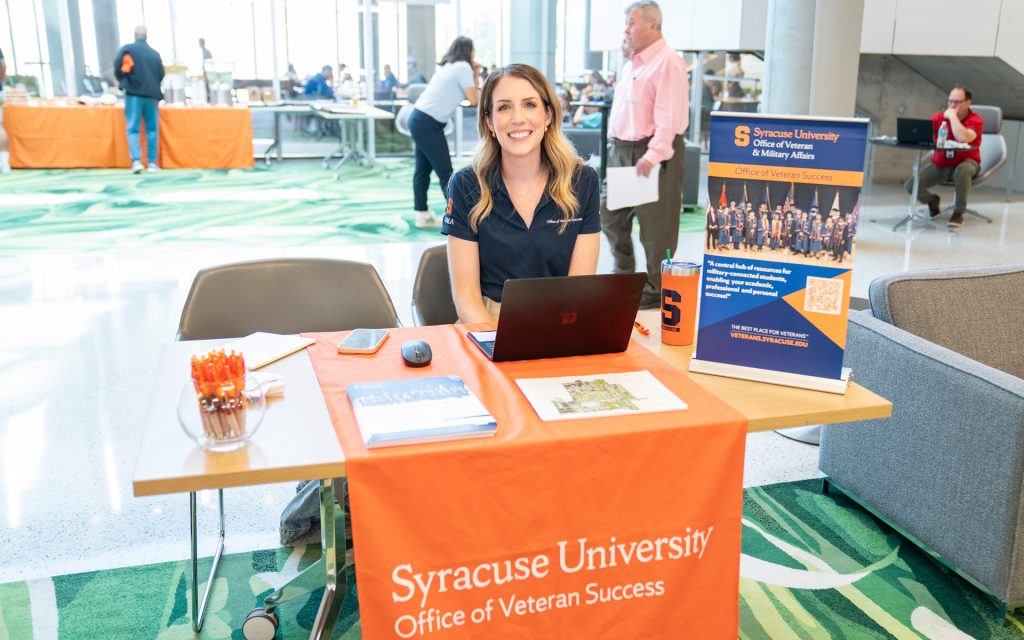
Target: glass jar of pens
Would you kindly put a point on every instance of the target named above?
(222, 406)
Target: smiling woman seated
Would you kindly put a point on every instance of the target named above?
(527, 207)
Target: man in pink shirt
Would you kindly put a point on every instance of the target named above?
(650, 113)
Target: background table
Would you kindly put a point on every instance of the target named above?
(769, 406)
(72, 137)
(921, 149)
(353, 120)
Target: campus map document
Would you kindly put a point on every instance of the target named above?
(595, 396)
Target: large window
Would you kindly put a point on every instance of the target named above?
(570, 53)
(307, 34)
(480, 20)
(24, 43)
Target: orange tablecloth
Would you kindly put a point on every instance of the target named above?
(47, 136)
(624, 527)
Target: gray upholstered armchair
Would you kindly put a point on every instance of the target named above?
(947, 348)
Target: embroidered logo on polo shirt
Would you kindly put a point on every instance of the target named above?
(559, 220)
(448, 210)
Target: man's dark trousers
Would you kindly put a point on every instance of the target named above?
(659, 221)
(962, 176)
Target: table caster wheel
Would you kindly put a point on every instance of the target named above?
(260, 625)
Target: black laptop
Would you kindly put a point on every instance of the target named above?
(563, 316)
(914, 131)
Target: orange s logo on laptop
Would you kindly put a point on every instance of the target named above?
(569, 317)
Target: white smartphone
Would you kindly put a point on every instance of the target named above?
(363, 341)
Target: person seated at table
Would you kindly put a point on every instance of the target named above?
(290, 82)
(413, 73)
(319, 86)
(596, 87)
(527, 206)
(964, 126)
(587, 117)
(386, 88)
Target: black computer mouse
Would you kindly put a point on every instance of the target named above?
(416, 353)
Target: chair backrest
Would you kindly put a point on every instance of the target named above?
(432, 301)
(993, 144)
(402, 118)
(992, 115)
(993, 155)
(975, 311)
(285, 295)
(413, 91)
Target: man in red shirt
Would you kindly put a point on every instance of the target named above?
(964, 126)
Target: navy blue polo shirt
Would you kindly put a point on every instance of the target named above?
(508, 250)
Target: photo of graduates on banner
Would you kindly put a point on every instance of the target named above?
(782, 221)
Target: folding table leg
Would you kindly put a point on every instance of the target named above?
(334, 592)
(199, 609)
(322, 573)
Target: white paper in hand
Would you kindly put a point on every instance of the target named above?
(627, 189)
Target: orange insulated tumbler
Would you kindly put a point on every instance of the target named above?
(679, 284)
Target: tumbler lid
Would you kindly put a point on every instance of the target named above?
(679, 268)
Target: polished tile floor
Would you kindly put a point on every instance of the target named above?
(81, 332)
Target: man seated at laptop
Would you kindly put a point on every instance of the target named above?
(963, 125)
(527, 207)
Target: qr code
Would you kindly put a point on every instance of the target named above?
(824, 295)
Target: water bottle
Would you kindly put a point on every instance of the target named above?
(940, 141)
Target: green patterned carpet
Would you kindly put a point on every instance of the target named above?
(792, 533)
(294, 203)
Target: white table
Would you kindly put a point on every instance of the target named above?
(353, 119)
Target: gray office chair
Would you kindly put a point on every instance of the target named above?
(993, 149)
(414, 91)
(432, 301)
(402, 121)
(281, 295)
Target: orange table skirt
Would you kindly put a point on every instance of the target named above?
(62, 137)
(623, 527)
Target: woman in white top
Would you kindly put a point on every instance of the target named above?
(454, 82)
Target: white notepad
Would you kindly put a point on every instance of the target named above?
(260, 349)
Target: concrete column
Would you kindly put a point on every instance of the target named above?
(812, 52)
(61, 68)
(64, 44)
(421, 45)
(591, 59)
(532, 34)
(104, 15)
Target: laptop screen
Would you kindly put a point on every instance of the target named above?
(914, 130)
(565, 316)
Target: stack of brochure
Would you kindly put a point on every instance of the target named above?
(398, 412)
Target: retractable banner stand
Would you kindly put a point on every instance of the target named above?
(785, 193)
